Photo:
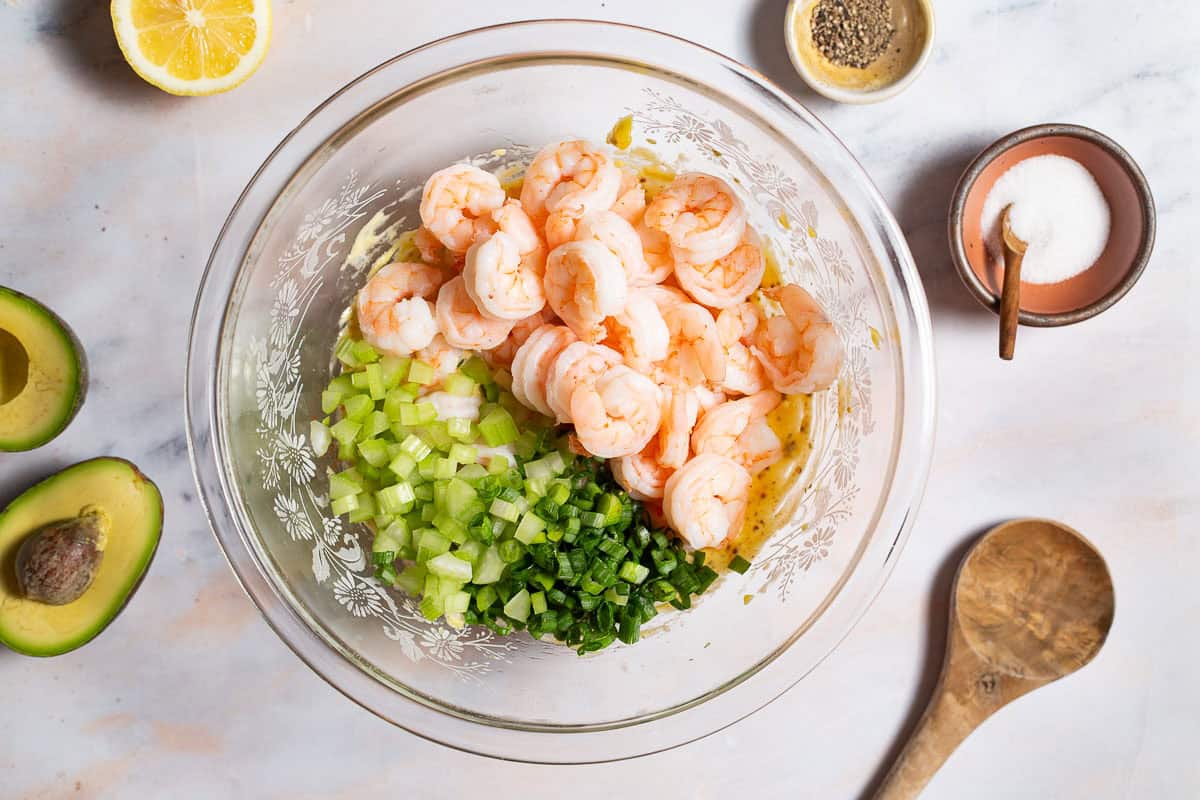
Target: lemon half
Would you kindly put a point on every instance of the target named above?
(193, 47)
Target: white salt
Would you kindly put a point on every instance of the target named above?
(1057, 209)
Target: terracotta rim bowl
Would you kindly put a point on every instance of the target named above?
(1131, 237)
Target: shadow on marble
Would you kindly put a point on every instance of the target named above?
(771, 56)
(80, 34)
(922, 211)
(936, 625)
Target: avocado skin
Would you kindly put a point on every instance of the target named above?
(81, 383)
(66, 646)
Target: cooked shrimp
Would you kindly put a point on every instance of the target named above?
(738, 429)
(705, 500)
(532, 364)
(504, 353)
(434, 253)
(585, 283)
(744, 373)
(708, 398)
(442, 357)
(631, 197)
(641, 474)
(656, 249)
(512, 219)
(577, 365)
(620, 239)
(665, 297)
(695, 353)
(617, 414)
(457, 204)
(702, 216)
(681, 407)
(571, 178)
(799, 349)
(638, 332)
(462, 324)
(727, 281)
(500, 283)
(392, 311)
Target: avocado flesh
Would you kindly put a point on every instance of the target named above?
(42, 373)
(133, 505)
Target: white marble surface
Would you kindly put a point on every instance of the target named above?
(112, 194)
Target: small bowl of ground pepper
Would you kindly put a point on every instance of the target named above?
(859, 51)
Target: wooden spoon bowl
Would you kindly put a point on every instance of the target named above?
(1033, 601)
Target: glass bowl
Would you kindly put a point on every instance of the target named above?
(287, 263)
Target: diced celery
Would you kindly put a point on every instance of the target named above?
(431, 544)
(345, 484)
(497, 464)
(549, 467)
(330, 400)
(359, 381)
(320, 437)
(463, 454)
(471, 551)
(365, 353)
(416, 447)
(398, 531)
(498, 428)
(504, 510)
(510, 550)
(460, 499)
(471, 473)
(375, 424)
(530, 528)
(392, 369)
(411, 579)
(358, 406)
(344, 505)
(485, 597)
(397, 498)
(345, 430)
(384, 543)
(375, 383)
(426, 412)
(455, 604)
(537, 487)
(451, 528)
(525, 445)
(459, 385)
(345, 353)
(402, 465)
(428, 512)
(366, 508)
(447, 565)
(436, 435)
(423, 491)
(431, 606)
(408, 415)
(476, 369)
(490, 566)
(394, 403)
(347, 450)
(421, 373)
(444, 468)
(459, 428)
(517, 606)
(374, 451)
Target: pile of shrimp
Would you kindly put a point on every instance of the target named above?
(640, 321)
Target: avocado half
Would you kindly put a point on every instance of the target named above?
(43, 373)
(134, 509)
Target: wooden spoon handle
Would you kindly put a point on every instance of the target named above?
(968, 692)
(1010, 303)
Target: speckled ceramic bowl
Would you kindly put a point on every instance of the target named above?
(1130, 241)
(267, 319)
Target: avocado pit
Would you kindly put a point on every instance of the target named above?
(58, 562)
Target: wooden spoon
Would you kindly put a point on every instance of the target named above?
(1010, 296)
(1033, 601)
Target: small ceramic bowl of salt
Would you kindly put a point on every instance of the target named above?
(1078, 201)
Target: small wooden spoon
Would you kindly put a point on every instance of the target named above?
(1010, 296)
(1033, 601)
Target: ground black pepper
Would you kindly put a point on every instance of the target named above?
(852, 33)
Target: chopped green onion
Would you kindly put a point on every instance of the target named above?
(633, 572)
(739, 565)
